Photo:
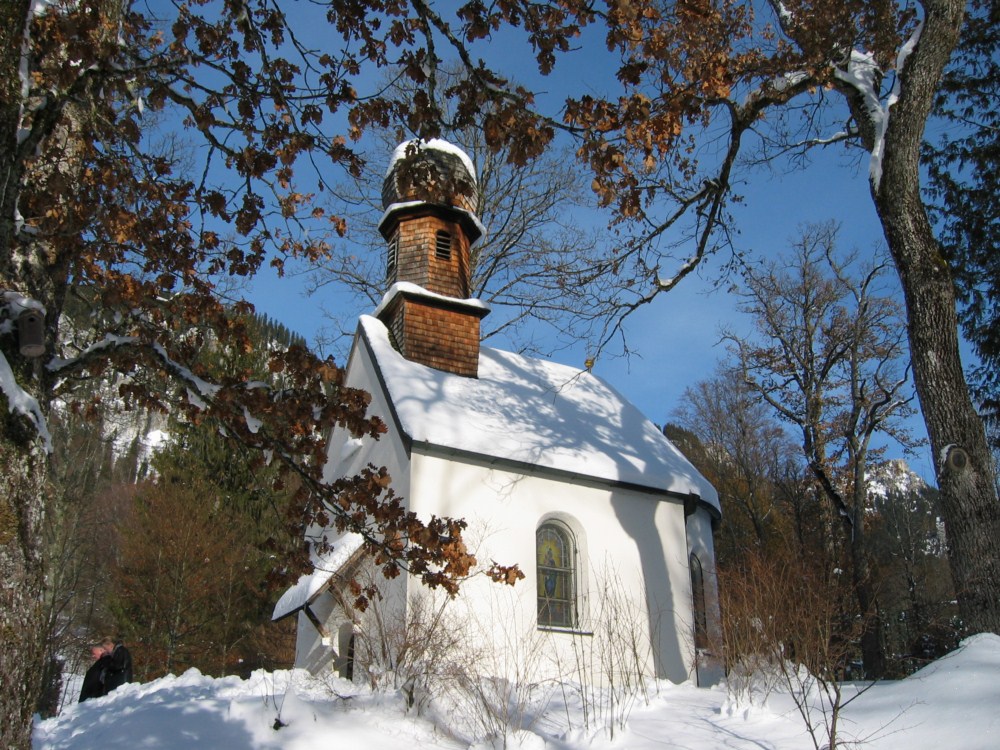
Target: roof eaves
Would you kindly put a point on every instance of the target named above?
(333, 578)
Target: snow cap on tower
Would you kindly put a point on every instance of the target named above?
(433, 171)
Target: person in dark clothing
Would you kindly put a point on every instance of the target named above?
(119, 666)
(95, 677)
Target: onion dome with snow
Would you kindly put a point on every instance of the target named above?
(433, 171)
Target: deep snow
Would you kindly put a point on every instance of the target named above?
(950, 704)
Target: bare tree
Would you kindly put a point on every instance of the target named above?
(831, 361)
(783, 626)
(745, 452)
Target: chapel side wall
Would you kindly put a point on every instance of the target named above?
(700, 542)
(347, 456)
(628, 538)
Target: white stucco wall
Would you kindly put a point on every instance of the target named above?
(631, 542)
(311, 651)
(348, 456)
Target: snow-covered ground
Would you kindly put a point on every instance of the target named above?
(951, 704)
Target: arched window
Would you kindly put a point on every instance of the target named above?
(442, 246)
(698, 604)
(556, 567)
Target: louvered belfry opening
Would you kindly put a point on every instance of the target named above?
(429, 196)
(442, 246)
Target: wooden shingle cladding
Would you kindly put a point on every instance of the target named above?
(415, 234)
(429, 174)
(438, 333)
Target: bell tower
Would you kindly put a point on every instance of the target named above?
(429, 196)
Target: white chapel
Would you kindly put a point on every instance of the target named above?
(549, 465)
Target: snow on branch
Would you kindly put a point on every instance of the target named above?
(865, 77)
(58, 366)
(23, 403)
(202, 387)
(774, 90)
(202, 395)
(12, 306)
(689, 265)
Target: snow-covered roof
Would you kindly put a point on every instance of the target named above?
(325, 566)
(395, 208)
(415, 290)
(536, 412)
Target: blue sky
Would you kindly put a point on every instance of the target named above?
(674, 340)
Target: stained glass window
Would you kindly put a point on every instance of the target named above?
(556, 581)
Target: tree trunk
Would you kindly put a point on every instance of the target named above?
(22, 459)
(13, 16)
(962, 457)
(872, 652)
(22, 500)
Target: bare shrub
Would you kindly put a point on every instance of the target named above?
(434, 652)
(412, 652)
(612, 661)
(783, 627)
(449, 658)
(493, 684)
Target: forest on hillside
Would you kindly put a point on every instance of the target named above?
(166, 535)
